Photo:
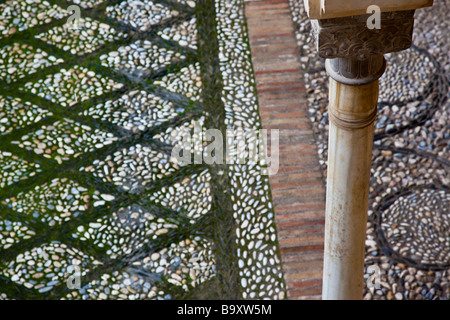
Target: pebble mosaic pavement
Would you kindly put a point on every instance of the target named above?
(408, 230)
(87, 123)
(88, 120)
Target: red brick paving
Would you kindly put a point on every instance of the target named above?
(298, 189)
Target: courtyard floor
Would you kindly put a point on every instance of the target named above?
(94, 205)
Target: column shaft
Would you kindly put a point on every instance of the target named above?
(352, 112)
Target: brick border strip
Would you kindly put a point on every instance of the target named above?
(298, 189)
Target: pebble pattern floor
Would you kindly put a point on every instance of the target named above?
(408, 230)
(94, 203)
(89, 189)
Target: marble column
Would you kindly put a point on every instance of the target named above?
(355, 62)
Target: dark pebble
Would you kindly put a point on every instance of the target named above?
(437, 287)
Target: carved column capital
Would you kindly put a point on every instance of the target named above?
(355, 52)
(349, 37)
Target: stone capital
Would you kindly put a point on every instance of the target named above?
(355, 52)
(349, 37)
